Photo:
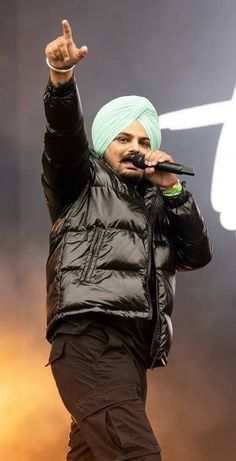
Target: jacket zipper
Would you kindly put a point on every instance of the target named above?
(157, 329)
(87, 273)
(150, 237)
(150, 234)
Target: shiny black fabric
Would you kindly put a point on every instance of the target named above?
(114, 248)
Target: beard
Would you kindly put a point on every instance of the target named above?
(131, 178)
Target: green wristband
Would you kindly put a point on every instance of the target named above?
(176, 189)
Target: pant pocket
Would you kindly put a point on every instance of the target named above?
(118, 418)
(111, 430)
(57, 349)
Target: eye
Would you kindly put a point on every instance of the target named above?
(122, 139)
(145, 143)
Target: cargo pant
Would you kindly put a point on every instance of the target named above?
(103, 386)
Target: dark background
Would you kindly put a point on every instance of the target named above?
(178, 54)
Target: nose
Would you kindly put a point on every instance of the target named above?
(134, 145)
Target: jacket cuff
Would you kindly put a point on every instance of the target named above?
(61, 90)
(178, 200)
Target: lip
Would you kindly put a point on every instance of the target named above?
(127, 160)
(128, 164)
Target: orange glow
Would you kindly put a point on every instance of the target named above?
(33, 421)
(187, 410)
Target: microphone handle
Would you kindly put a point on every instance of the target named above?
(177, 168)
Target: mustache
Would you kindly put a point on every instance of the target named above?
(130, 156)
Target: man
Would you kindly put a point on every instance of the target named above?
(119, 234)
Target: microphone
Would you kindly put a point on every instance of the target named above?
(177, 168)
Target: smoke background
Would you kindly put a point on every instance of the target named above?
(178, 54)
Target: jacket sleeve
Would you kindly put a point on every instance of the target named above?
(66, 166)
(189, 232)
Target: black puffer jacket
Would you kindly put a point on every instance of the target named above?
(113, 248)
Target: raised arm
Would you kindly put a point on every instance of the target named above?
(66, 157)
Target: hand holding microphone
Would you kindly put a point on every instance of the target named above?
(171, 167)
(160, 168)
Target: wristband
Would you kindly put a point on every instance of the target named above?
(61, 71)
(176, 189)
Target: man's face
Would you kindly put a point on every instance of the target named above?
(130, 141)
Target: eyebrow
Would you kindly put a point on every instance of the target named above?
(129, 134)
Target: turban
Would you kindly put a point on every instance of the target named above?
(118, 114)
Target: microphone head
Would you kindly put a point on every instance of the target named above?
(138, 161)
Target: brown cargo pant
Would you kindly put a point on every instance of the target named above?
(103, 386)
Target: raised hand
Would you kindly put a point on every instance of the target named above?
(63, 53)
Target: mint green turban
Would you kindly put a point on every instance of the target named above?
(118, 114)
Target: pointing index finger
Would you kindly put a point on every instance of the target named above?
(67, 31)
